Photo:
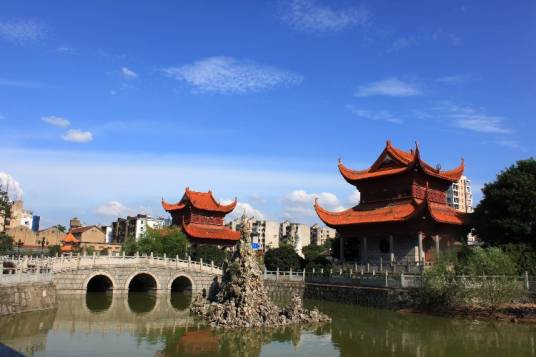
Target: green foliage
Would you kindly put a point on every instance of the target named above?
(54, 249)
(208, 253)
(171, 241)
(311, 252)
(523, 255)
(318, 263)
(130, 247)
(489, 261)
(61, 228)
(6, 243)
(284, 258)
(5, 207)
(507, 213)
(314, 257)
(474, 276)
(90, 250)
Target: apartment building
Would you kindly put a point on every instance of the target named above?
(460, 196)
(319, 234)
(265, 233)
(135, 226)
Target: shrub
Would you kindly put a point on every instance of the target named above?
(284, 258)
(523, 255)
(6, 243)
(318, 263)
(209, 253)
(54, 249)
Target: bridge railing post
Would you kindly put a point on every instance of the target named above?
(212, 266)
(151, 261)
(200, 264)
(189, 262)
(165, 260)
(93, 259)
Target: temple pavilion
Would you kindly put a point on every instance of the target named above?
(402, 215)
(201, 217)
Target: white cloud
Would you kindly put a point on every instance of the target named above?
(456, 79)
(392, 87)
(56, 121)
(19, 84)
(381, 115)
(13, 187)
(78, 136)
(226, 75)
(512, 144)
(128, 73)
(298, 204)
(310, 16)
(354, 198)
(113, 208)
(402, 43)
(474, 119)
(242, 207)
(22, 32)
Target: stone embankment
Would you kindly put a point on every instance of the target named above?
(25, 297)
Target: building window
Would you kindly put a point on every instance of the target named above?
(384, 246)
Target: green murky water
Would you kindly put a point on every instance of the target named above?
(141, 324)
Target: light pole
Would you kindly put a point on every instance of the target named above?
(20, 243)
(42, 242)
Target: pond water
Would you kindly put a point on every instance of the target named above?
(142, 324)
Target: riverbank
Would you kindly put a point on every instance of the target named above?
(518, 313)
(26, 297)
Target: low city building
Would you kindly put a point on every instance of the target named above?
(27, 239)
(297, 235)
(265, 234)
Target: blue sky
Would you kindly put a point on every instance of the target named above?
(105, 107)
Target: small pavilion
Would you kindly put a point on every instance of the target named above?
(402, 215)
(201, 218)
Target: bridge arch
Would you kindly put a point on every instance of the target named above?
(99, 281)
(181, 282)
(142, 281)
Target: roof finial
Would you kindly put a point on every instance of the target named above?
(388, 142)
(417, 151)
(339, 160)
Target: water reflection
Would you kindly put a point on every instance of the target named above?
(180, 301)
(146, 324)
(141, 302)
(96, 302)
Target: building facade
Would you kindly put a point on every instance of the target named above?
(265, 233)
(297, 235)
(134, 227)
(27, 239)
(201, 217)
(460, 196)
(320, 234)
(403, 214)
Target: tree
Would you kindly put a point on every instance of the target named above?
(284, 258)
(170, 241)
(130, 247)
(209, 253)
(6, 243)
(507, 213)
(312, 251)
(5, 208)
(61, 228)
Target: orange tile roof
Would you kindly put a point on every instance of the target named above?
(404, 161)
(200, 200)
(70, 238)
(210, 231)
(393, 212)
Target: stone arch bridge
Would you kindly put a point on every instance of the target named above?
(121, 274)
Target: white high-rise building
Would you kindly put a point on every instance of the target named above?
(460, 196)
(319, 234)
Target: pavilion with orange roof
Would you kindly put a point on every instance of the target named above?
(201, 217)
(69, 244)
(403, 214)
